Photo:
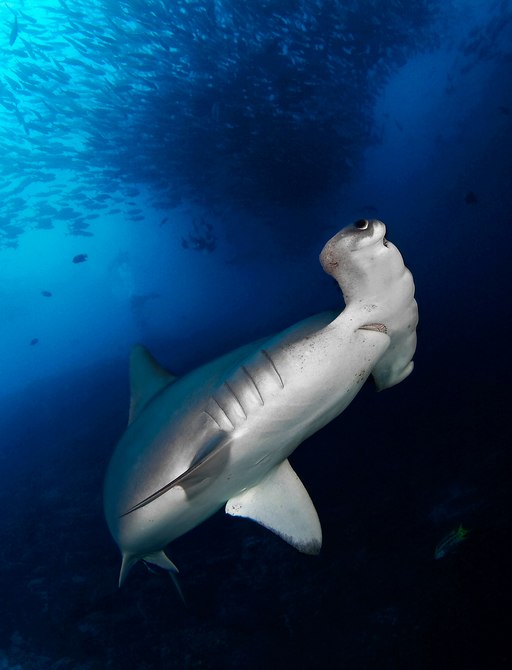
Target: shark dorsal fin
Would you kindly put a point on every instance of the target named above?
(147, 378)
(281, 503)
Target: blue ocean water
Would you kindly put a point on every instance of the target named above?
(170, 171)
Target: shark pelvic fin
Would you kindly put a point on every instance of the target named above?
(281, 503)
(160, 559)
(147, 378)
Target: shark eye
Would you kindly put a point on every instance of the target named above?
(384, 242)
(361, 224)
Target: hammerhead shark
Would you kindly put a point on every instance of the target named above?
(222, 434)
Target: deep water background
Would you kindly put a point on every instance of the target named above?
(199, 154)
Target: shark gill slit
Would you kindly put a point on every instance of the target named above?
(227, 385)
(267, 356)
(262, 402)
(223, 411)
(212, 418)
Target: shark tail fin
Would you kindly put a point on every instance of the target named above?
(177, 584)
(158, 558)
(127, 563)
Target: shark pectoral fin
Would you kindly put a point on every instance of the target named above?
(147, 378)
(281, 503)
(210, 459)
(195, 478)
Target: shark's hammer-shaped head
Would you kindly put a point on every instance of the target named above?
(359, 257)
(378, 290)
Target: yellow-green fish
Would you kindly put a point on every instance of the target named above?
(451, 541)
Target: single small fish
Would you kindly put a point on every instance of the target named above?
(470, 198)
(80, 258)
(47, 294)
(34, 341)
(450, 542)
(14, 31)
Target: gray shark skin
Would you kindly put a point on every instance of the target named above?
(222, 434)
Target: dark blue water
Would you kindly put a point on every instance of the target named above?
(169, 172)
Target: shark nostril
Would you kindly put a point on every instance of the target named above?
(361, 224)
